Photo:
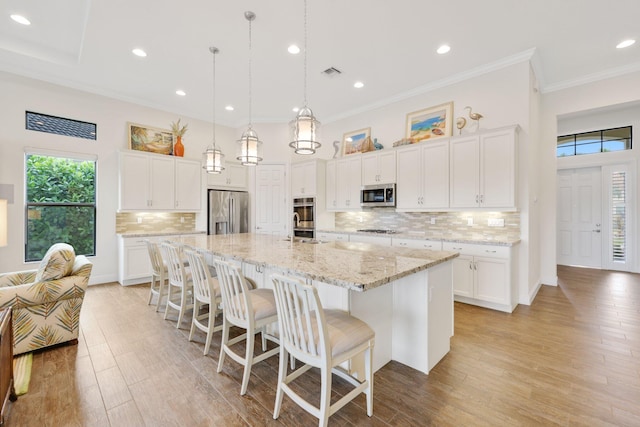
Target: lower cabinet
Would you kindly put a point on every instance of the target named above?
(134, 266)
(484, 275)
(330, 237)
(434, 245)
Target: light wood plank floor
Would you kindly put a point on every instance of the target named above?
(571, 358)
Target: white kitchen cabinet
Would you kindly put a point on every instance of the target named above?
(233, 176)
(330, 186)
(434, 245)
(484, 275)
(188, 185)
(483, 170)
(146, 181)
(379, 167)
(348, 183)
(330, 237)
(134, 264)
(423, 177)
(305, 177)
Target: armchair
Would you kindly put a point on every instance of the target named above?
(46, 302)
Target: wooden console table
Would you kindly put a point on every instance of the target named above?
(7, 391)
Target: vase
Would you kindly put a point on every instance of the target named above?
(178, 148)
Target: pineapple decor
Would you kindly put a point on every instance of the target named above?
(178, 131)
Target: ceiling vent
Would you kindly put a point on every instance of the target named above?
(332, 72)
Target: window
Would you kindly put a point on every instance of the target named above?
(60, 204)
(618, 216)
(59, 125)
(600, 141)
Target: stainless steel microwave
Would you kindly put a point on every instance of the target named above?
(378, 195)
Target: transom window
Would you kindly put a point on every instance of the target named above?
(599, 141)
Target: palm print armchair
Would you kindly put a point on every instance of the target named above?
(46, 302)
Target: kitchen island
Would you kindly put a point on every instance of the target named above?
(405, 295)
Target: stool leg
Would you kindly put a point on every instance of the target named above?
(282, 374)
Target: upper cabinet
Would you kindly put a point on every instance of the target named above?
(234, 176)
(348, 183)
(483, 170)
(306, 177)
(379, 167)
(423, 177)
(343, 184)
(188, 185)
(157, 182)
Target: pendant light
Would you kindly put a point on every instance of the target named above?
(213, 158)
(249, 146)
(305, 127)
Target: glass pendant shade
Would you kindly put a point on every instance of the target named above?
(249, 148)
(213, 160)
(304, 132)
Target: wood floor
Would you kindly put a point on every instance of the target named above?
(571, 358)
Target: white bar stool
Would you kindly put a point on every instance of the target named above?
(250, 309)
(323, 339)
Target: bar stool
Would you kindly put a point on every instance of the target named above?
(159, 273)
(179, 294)
(250, 309)
(206, 298)
(323, 339)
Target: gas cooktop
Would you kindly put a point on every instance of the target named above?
(375, 230)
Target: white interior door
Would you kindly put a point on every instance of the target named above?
(271, 199)
(580, 217)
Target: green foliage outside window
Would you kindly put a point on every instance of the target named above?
(61, 196)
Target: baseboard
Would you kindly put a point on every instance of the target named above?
(551, 281)
(105, 278)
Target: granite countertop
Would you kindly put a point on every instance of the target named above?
(159, 233)
(356, 266)
(444, 237)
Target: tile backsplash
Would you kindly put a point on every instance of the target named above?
(145, 222)
(446, 223)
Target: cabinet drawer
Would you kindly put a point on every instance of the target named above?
(434, 245)
(478, 250)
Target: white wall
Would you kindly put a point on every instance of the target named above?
(604, 93)
(111, 116)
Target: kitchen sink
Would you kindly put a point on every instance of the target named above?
(312, 241)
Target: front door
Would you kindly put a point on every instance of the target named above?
(580, 217)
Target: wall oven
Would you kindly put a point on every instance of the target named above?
(378, 195)
(304, 217)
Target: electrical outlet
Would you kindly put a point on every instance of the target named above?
(470, 220)
(495, 222)
(433, 220)
(139, 220)
(182, 219)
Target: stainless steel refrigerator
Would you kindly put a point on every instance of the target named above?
(228, 212)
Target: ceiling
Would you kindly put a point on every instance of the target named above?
(388, 45)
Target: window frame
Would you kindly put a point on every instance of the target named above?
(601, 142)
(29, 151)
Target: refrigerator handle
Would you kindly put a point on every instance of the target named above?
(231, 216)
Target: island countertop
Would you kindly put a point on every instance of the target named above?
(356, 266)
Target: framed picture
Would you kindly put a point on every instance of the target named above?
(352, 141)
(431, 123)
(150, 139)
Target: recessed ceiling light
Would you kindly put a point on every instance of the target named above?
(295, 109)
(229, 108)
(181, 92)
(293, 49)
(139, 52)
(443, 49)
(358, 85)
(21, 19)
(625, 43)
